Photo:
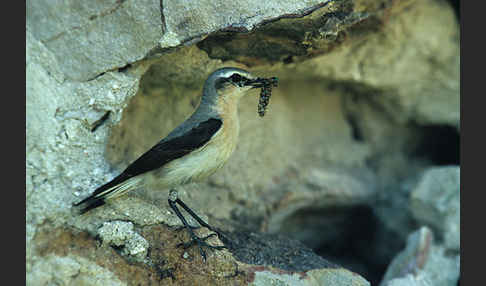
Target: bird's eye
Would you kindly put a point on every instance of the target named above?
(236, 77)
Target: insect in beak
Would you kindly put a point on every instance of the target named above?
(266, 85)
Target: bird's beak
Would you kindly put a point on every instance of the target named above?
(254, 82)
(260, 82)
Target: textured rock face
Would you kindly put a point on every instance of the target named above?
(344, 161)
(89, 38)
(436, 202)
(422, 262)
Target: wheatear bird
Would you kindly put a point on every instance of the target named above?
(191, 152)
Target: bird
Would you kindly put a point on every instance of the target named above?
(191, 152)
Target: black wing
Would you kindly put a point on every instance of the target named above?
(157, 156)
(177, 147)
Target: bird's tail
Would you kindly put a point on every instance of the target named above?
(115, 188)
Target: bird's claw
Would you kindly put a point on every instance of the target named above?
(201, 242)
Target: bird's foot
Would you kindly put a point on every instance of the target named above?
(201, 243)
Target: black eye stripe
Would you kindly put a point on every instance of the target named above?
(236, 77)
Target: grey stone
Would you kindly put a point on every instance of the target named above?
(70, 270)
(274, 250)
(93, 37)
(277, 260)
(435, 201)
(307, 206)
(185, 21)
(121, 234)
(411, 280)
(64, 158)
(422, 262)
(413, 258)
(331, 277)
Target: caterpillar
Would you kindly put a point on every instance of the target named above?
(265, 93)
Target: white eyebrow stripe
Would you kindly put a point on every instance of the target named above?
(228, 74)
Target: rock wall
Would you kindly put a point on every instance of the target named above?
(336, 176)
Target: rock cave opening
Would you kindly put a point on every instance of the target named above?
(440, 144)
(350, 236)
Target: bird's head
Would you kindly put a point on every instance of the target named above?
(229, 83)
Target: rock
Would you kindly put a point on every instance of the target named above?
(410, 280)
(435, 201)
(69, 256)
(121, 234)
(413, 258)
(185, 21)
(332, 277)
(110, 35)
(316, 206)
(422, 263)
(274, 250)
(89, 39)
(70, 270)
(61, 117)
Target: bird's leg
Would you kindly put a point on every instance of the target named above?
(201, 242)
(198, 219)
